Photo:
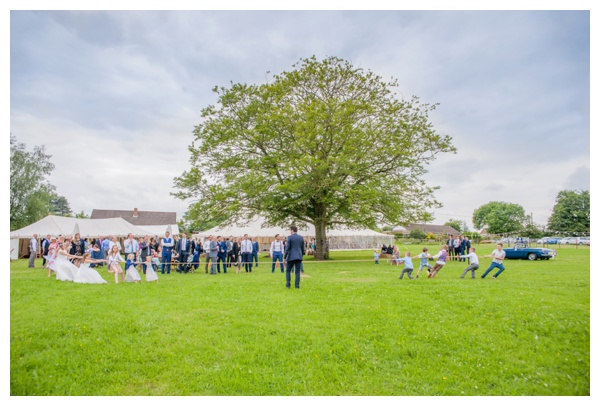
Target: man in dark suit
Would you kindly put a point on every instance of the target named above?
(294, 251)
(184, 247)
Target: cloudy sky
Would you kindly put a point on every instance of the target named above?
(114, 95)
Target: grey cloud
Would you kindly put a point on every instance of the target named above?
(579, 179)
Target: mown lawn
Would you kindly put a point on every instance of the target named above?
(353, 328)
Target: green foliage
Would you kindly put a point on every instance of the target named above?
(195, 220)
(319, 144)
(458, 225)
(417, 234)
(473, 236)
(532, 231)
(59, 206)
(526, 333)
(571, 213)
(30, 192)
(499, 217)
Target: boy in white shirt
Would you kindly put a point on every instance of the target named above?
(498, 256)
(474, 263)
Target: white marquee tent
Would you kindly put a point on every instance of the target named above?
(339, 239)
(88, 228)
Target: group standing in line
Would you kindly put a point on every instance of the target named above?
(444, 255)
(66, 256)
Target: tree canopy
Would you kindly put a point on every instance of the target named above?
(500, 217)
(571, 212)
(59, 206)
(30, 192)
(459, 225)
(325, 143)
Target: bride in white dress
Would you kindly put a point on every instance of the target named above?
(87, 274)
(65, 270)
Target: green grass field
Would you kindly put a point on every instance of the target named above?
(353, 328)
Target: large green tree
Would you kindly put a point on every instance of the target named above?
(571, 212)
(325, 143)
(30, 191)
(59, 205)
(500, 217)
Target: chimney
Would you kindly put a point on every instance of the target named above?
(135, 212)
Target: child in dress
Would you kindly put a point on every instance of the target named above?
(131, 273)
(51, 257)
(424, 257)
(408, 265)
(114, 260)
(150, 271)
(376, 257)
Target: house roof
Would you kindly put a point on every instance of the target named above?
(427, 228)
(143, 218)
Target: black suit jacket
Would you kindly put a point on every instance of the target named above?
(189, 246)
(294, 248)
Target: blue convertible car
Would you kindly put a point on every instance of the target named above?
(522, 251)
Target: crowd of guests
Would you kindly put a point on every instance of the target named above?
(123, 257)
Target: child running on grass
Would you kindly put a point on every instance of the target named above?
(424, 257)
(408, 265)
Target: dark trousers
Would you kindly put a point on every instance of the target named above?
(297, 266)
(254, 258)
(247, 261)
(221, 260)
(166, 260)
(183, 257)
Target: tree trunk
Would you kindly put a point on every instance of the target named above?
(321, 249)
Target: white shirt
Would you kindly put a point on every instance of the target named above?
(131, 246)
(115, 259)
(164, 242)
(206, 245)
(276, 246)
(472, 257)
(246, 246)
(498, 256)
(33, 244)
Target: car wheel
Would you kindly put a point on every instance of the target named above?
(532, 256)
